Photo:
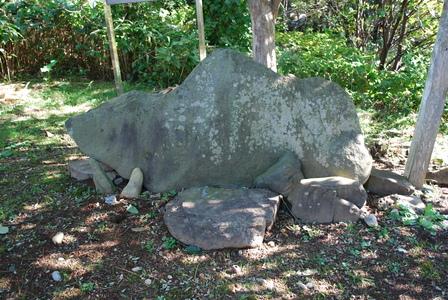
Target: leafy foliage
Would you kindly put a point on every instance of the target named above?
(169, 243)
(430, 220)
(327, 55)
(157, 40)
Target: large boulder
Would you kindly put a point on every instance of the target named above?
(217, 218)
(228, 122)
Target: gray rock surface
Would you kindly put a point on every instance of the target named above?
(345, 188)
(103, 183)
(283, 176)
(413, 202)
(217, 218)
(384, 183)
(227, 123)
(326, 200)
(371, 220)
(134, 186)
(440, 176)
(80, 169)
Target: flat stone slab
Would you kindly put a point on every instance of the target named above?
(327, 200)
(217, 218)
(384, 183)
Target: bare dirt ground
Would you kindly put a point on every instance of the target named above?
(108, 253)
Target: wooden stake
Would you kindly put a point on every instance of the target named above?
(200, 20)
(431, 108)
(113, 48)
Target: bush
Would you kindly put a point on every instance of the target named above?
(327, 55)
(157, 41)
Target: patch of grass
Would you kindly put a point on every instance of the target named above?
(429, 271)
(149, 246)
(87, 287)
(394, 267)
(169, 243)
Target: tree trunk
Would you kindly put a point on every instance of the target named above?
(431, 108)
(263, 14)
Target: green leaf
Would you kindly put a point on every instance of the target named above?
(132, 209)
(6, 153)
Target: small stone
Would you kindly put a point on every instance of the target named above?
(307, 272)
(268, 284)
(402, 250)
(111, 200)
(58, 238)
(271, 244)
(138, 229)
(134, 186)
(4, 229)
(12, 269)
(310, 285)
(371, 220)
(148, 282)
(236, 269)
(136, 269)
(170, 277)
(302, 286)
(56, 276)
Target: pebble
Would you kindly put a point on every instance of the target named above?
(56, 276)
(371, 220)
(111, 200)
(58, 238)
(307, 272)
(236, 269)
(310, 285)
(271, 244)
(136, 269)
(148, 282)
(302, 286)
(402, 250)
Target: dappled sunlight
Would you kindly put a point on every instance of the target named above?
(57, 261)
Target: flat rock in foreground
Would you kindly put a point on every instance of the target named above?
(217, 218)
(227, 123)
(327, 200)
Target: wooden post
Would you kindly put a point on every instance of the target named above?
(113, 48)
(200, 20)
(431, 108)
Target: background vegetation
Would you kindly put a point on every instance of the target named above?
(378, 50)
